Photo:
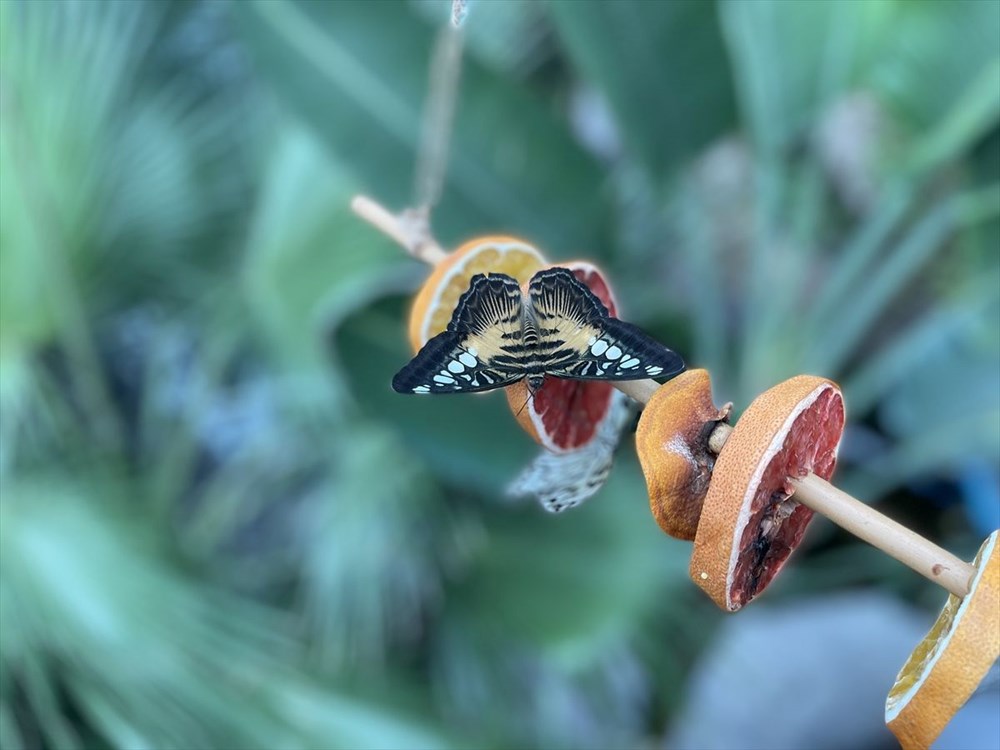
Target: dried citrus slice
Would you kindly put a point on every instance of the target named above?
(947, 665)
(672, 443)
(750, 524)
(566, 414)
(438, 297)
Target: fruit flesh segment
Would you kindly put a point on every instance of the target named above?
(776, 522)
(572, 411)
(517, 263)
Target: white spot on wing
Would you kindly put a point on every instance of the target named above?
(654, 369)
(614, 353)
(422, 389)
(456, 366)
(598, 348)
(444, 378)
(629, 363)
(468, 358)
(473, 352)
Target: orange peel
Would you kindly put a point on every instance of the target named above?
(672, 442)
(950, 662)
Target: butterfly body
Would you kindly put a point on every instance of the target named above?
(560, 329)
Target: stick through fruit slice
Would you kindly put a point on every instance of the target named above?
(750, 524)
(753, 454)
(808, 489)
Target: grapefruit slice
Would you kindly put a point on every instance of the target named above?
(750, 524)
(438, 297)
(948, 664)
(565, 415)
(672, 443)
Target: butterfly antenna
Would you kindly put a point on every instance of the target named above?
(526, 402)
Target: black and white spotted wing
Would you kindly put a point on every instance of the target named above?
(464, 358)
(578, 339)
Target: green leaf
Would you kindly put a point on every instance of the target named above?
(152, 658)
(472, 441)
(975, 114)
(362, 85)
(933, 51)
(309, 261)
(662, 68)
(790, 59)
(534, 583)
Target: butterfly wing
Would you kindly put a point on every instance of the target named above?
(564, 480)
(468, 356)
(580, 340)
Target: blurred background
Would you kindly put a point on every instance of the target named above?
(220, 528)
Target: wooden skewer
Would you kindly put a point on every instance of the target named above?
(852, 515)
(409, 229)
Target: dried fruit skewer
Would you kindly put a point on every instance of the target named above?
(861, 520)
(812, 491)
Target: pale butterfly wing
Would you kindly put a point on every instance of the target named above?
(564, 480)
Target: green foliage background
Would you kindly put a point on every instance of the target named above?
(218, 526)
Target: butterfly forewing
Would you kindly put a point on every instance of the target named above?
(578, 338)
(469, 356)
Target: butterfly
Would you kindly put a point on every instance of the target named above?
(496, 337)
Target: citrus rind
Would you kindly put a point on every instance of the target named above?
(749, 523)
(949, 663)
(672, 442)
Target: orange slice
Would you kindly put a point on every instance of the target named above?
(750, 524)
(438, 297)
(951, 661)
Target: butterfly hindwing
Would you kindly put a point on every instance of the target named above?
(464, 358)
(580, 340)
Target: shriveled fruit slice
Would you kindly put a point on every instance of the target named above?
(672, 442)
(750, 524)
(566, 414)
(948, 664)
(438, 297)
